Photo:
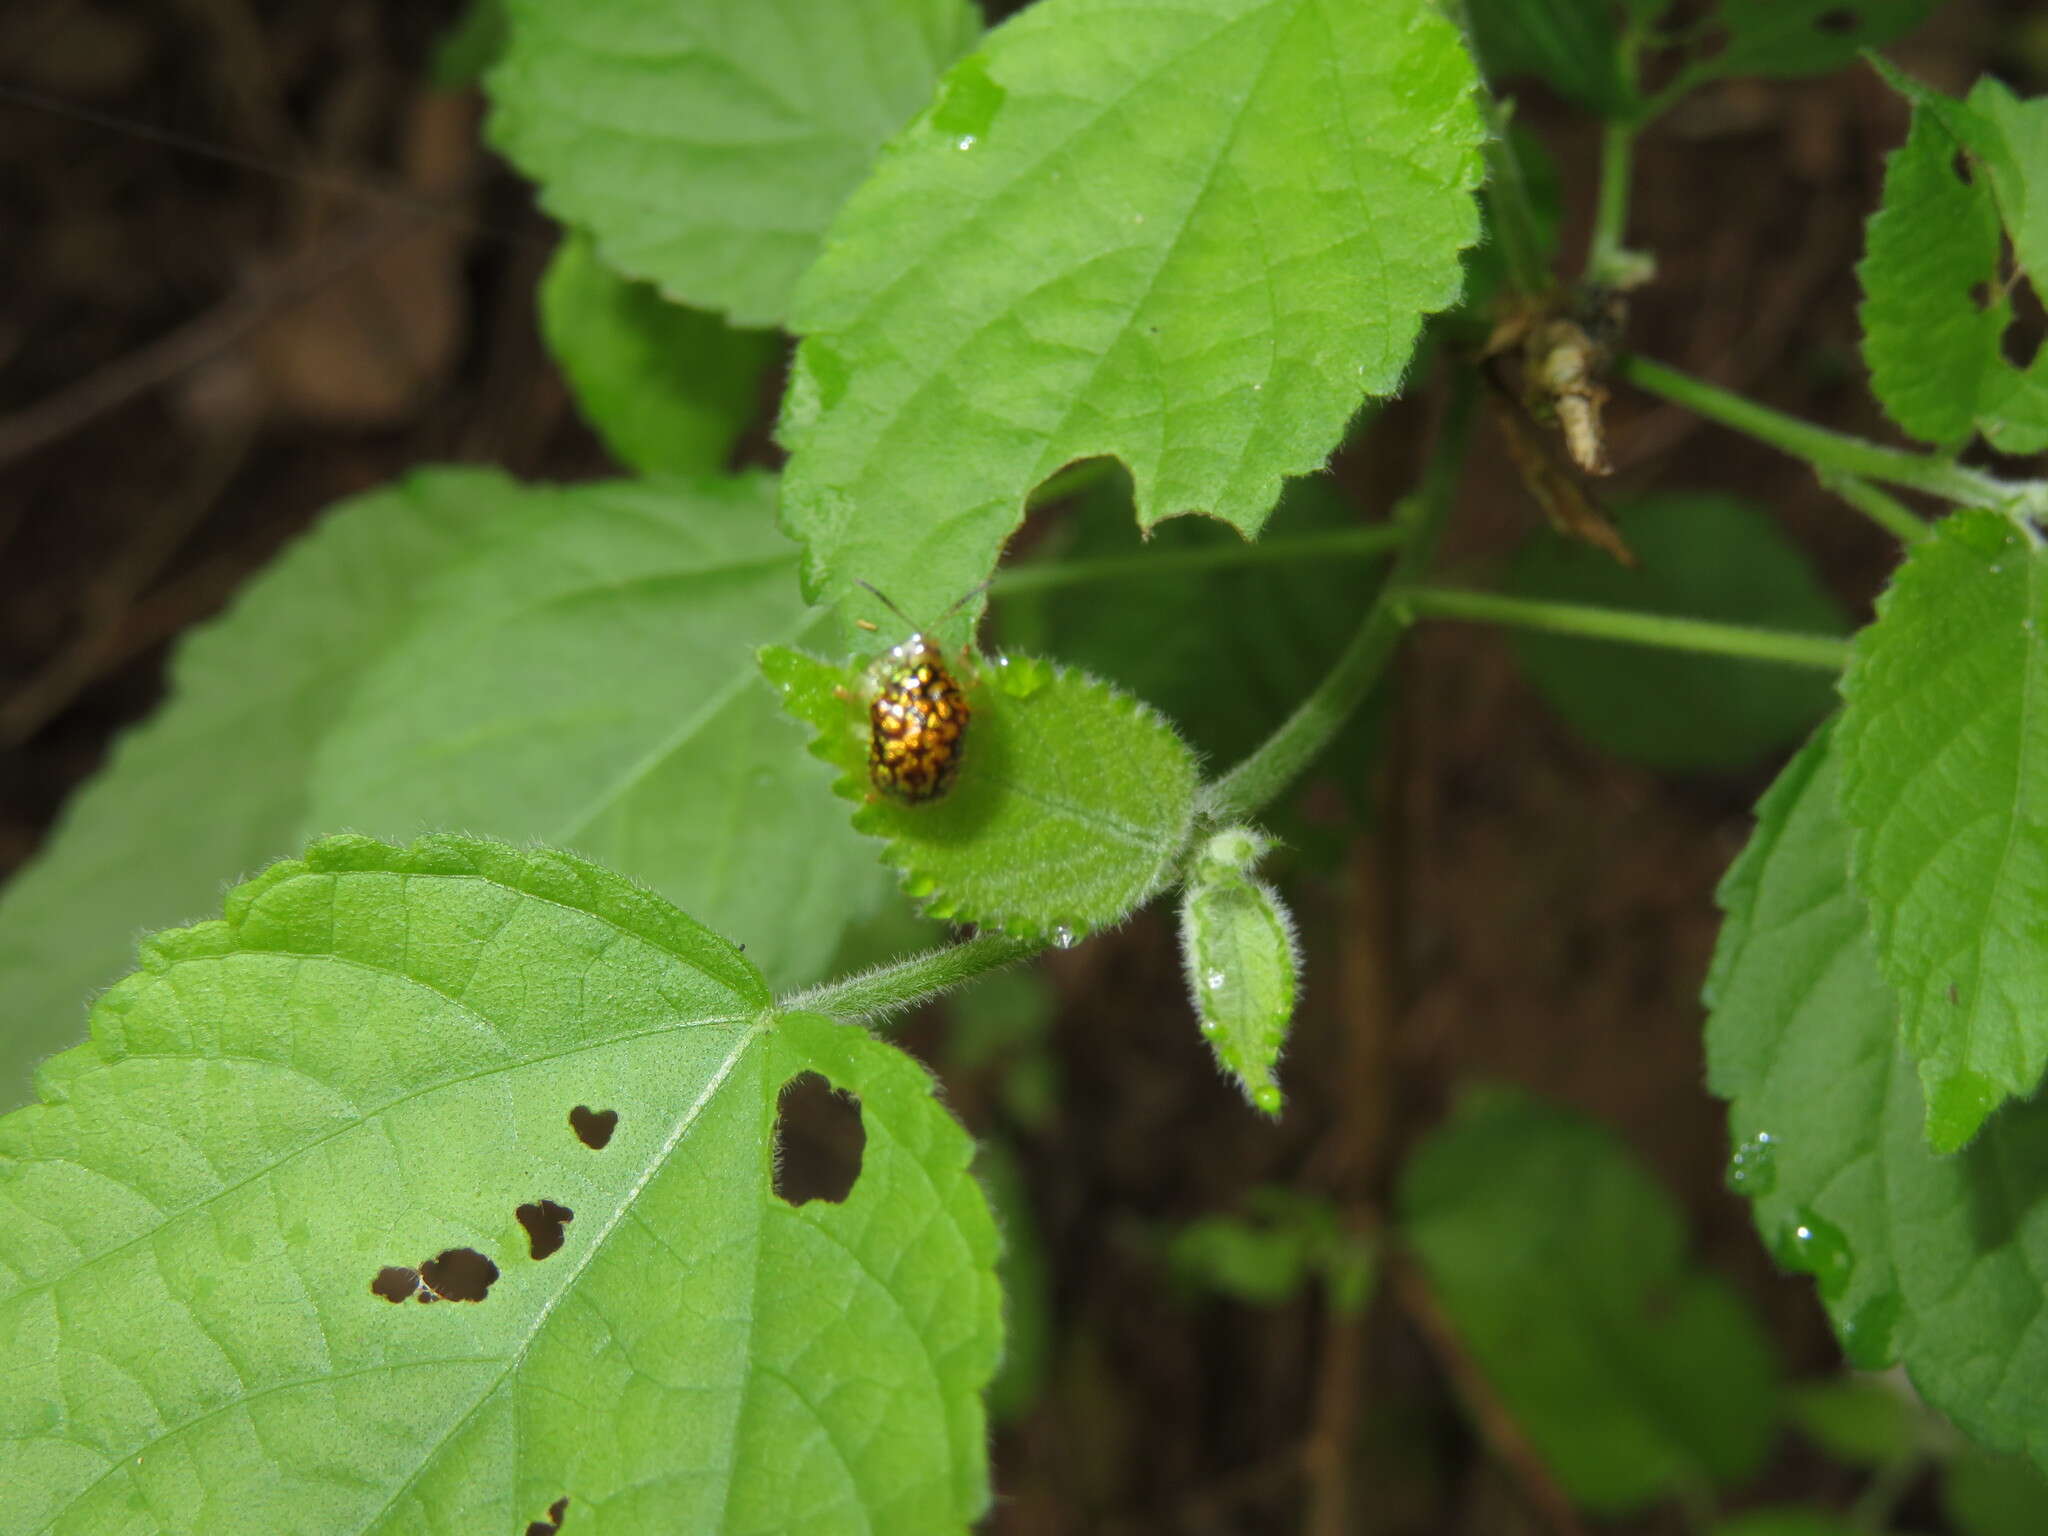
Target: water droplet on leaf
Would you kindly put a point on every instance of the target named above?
(1753, 1169)
(1815, 1246)
(1214, 980)
(1063, 937)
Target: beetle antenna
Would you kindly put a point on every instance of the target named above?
(906, 618)
(965, 598)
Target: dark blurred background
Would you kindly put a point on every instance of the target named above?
(252, 262)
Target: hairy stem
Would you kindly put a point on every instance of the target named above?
(1834, 452)
(1825, 653)
(1281, 758)
(902, 983)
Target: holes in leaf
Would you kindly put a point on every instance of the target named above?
(553, 1522)
(819, 1140)
(593, 1127)
(1839, 22)
(544, 1222)
(453, 1274)
(1980, 295)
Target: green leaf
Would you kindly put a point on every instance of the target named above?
(1193, 236)
(567, 665)
(1072, 806)
(1937, 293)
(1573, 46)
(1789, 1520)
(373, 1062)
(1561, 1264)
(1945, 785)
(707, 146)
(669, 389)
(1267, 1258)
(1242, 961)
(1864, 1420)
(1703, 556)
(1985, 1495)
(1805, 37)
(1930, 1259)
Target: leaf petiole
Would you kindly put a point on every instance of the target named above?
(1834, 451)
(1823, 652)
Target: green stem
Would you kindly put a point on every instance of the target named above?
(903, 983)
(1826, 653)
(1832, 451)
(1280, 759)
(1881, 507)
(1608, 262)
(1342, 543)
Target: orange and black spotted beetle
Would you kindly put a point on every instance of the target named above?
(917, 717)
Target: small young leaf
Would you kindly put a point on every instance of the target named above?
(1805, 37)
(1937, 304)
(1561, 1265)
(669, 389)
(1193, 236)
(1703, 556)
(1933, 1260)
(292, 1126)
(1242, 962)
(706, 146)
(1072, 805)
(1945, 785)
(564, 664)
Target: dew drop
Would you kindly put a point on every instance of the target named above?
(1813, 1245)
(1214, 980)
(1063, 937)
(1211, 1029)
(965, 141)
(1753, 1169)
(1267, 1097)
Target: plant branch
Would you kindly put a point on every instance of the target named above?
(1280, 759)
(1825, 653)
(1881, 507)
(1343, 543)
(904, 983)
(1608, 261)
(1834, 452)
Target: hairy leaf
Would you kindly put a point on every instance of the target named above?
(374, 1084)
(707, 146)
(1933, 1260)
(568, 665)
(1703, 556)
(1561, 1265)
(1938, 303)
(1945, 785)
(1194, 235)
(669, 389)
(1072, 805)
(1242, 961)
